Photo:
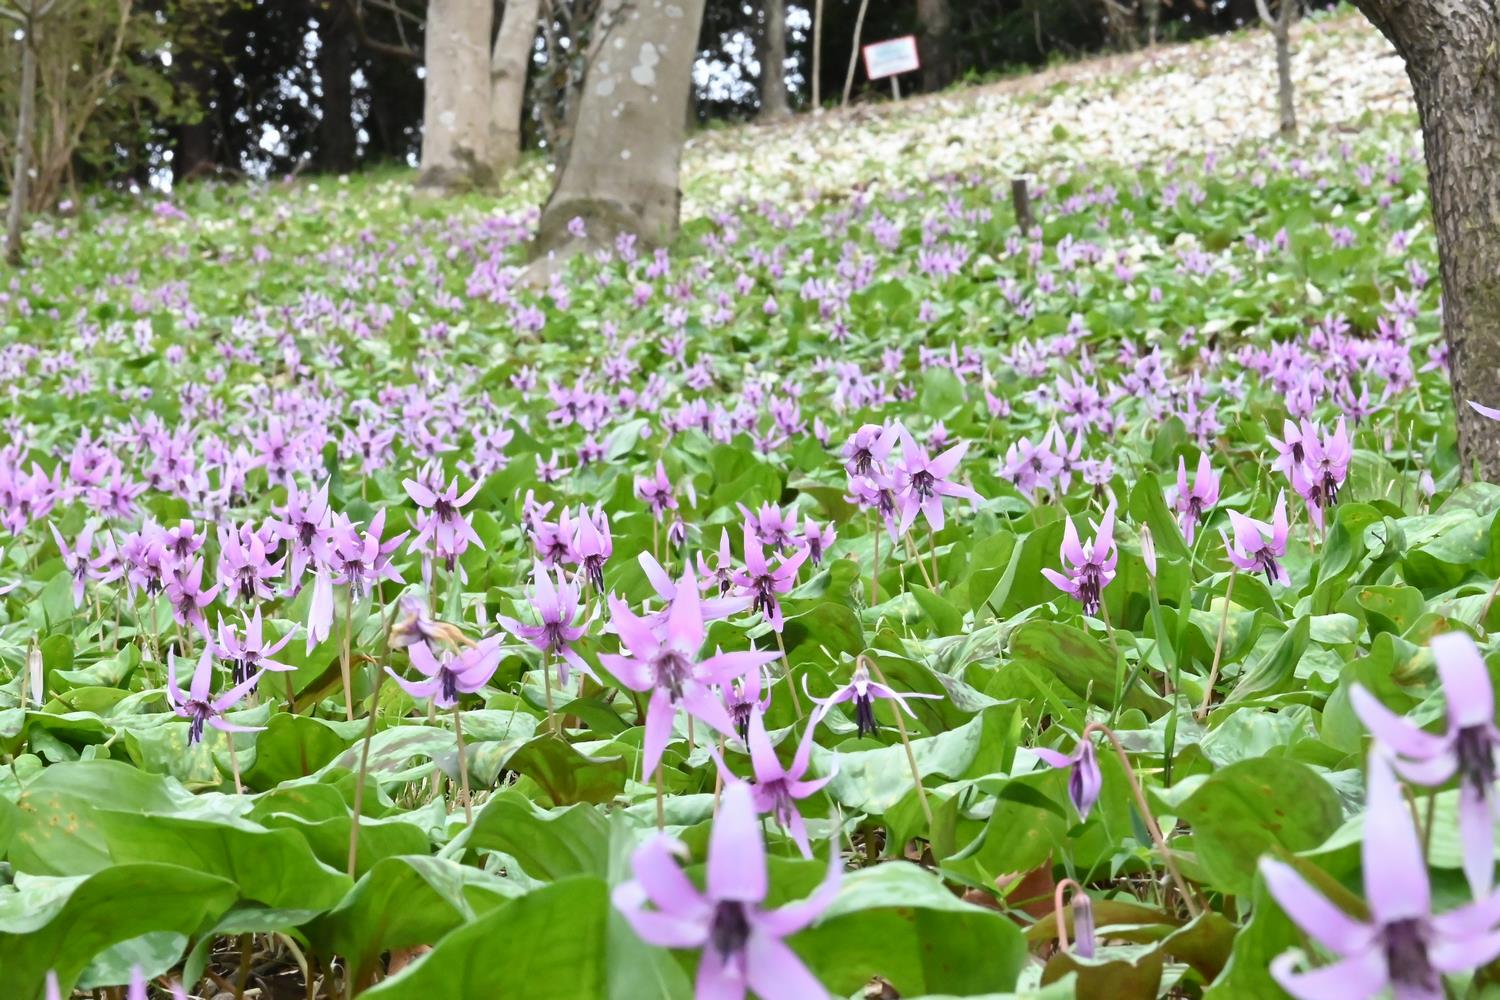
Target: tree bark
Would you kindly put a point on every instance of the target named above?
(859, 28)
(456, 99)
(1452, 53)
(25, 125)
(509, 61)
(1153, 21)
(623, 168)
(336, 139)
(1281, 31)
(935, 43)
(817, 56)
(773, 100)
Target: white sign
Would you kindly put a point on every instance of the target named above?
(888, 58)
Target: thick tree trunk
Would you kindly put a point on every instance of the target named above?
(456, 101)
(336, 139)
(935, 43)
(509, 61)
(20, 180)
(624, 164)
(773, 101)
(1452, 54)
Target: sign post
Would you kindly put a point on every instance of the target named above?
(891, 58)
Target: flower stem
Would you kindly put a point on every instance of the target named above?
(1058, 908)
(1213, 673)
(661, 808)
(1485, 611)
(875, 572)
(463, 766)
(1146, 816)
(364, 751)
(547, 684)
(911, 551)
(791, 681)
(234, 764)
(344, 658)
(932, 545)
(911, 758)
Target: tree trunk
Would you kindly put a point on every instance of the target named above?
(509, 61)
(773, 101)
(1153, 21)
(1285, 95)
(336, 139)
(456, 101)
(1452, 54)
(1281, 31)
(817, 56)
(935, 43)
(624, 163)
(859, 28)
(25, 125)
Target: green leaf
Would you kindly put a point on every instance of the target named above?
(555, 949)
(1253, 807)
(901, 923)
(60, 924)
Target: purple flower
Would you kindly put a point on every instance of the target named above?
(556, 607)
(450, 672)
(249, 656)
(446, 525)
(762, 584)
(196, 706)
(1257, 545)
(362, 560)
(1291, 447)
(741, 941)
(305, 524)
(867, 448)
(1194, 502)
(777, 789)
(742, 699)
(1091, 567)
(922, 482)
(1403, 945)
(1466, 749)
(1084, 777)
(816, 540)
(656, 492)
(862, 691)
(592, 545)
(188, 598)
(664, 661)
(773, 528)
(76, 557)
(245, 569)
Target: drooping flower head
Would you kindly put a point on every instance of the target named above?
(447, 673)
(555, 605)
(197, 704)
(1257, 546)
(665, 661)
(1194, 502)
(1466, 749)
(1090, 566)
(923, 482)
(1403, 946)
(741, 941)
(862, 691)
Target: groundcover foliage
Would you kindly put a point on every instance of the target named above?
(803, 610)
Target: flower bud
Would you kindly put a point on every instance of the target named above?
(1148, 550)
